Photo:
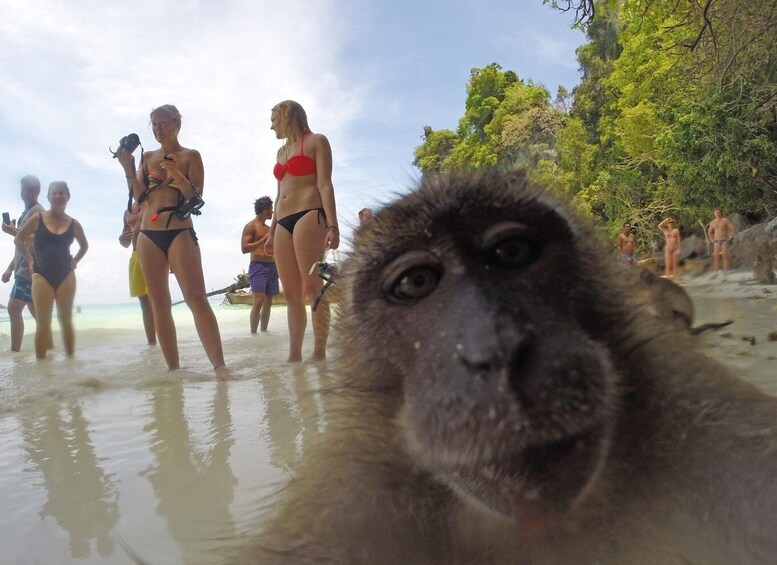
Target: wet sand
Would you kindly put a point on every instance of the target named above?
(753, 310)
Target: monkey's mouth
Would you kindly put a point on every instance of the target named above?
(537, 486)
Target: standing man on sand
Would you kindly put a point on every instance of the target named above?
(262, 271)
(21, 293)
(721, 232)
(627, 244)
(137, 284)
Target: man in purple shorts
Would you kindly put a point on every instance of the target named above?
(262, 271)
(22, 285)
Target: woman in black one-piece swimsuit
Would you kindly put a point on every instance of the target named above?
(53, 277)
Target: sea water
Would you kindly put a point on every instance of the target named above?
(108, 457)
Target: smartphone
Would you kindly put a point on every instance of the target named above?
(6, 217)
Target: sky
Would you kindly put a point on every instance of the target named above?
(75, 77)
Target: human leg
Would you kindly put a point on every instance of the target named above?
(309, 248)
(184, 257)
(265, 313)
(256, 310)
(288, 270)
(675, 262)
(148, 319)
(724, 255)
(15, 310)
(43, 297)
(155, 268)
(64, 296)
(715, 256)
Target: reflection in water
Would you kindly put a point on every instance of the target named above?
(194, 488)
(81, 497)
(295, 412)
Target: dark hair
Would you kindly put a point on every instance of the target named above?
(261, 204)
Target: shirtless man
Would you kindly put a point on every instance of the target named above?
(262, 271)
(129, 235)
(721, 232)
(672, 248)
(627, 244)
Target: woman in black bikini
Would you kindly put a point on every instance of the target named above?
(170, 177)
(304, 224)
(53, 278)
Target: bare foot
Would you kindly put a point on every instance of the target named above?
(223, 374)
(316, 358)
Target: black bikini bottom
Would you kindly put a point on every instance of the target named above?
(291, 220)
(163, 238)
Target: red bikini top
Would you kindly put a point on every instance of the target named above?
(298, 165)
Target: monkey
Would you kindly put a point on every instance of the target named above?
(670, 303)
(503, 398)
(763, 266)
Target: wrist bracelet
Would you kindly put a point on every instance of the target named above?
(335, 228)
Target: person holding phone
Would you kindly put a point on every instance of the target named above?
(169, 181)
(21, 292)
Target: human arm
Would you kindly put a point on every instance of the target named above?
(10, 229)
(662, 226)
(9, 271)
(248, 244)
(732, 229)
(134, 178)
(126, 233)
(83, 245)
(269, 244)
(27, 230)
(323, 157)
(194, 179)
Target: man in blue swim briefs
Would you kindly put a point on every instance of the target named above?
(262, 271)
(721, 231)
(22, 286)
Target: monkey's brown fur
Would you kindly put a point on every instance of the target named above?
(505, 401)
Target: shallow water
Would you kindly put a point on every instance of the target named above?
(109, 451)
(108, 454)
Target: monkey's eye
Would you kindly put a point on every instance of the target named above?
(510, 245)
(412, 276)
(416, 283)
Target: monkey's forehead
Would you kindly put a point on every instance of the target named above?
(460, 202)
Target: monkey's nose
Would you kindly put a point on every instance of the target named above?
(503, 346)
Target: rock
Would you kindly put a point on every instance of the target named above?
(749, 243)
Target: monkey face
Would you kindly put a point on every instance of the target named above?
(507, 392)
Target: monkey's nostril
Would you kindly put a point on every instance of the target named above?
(519, 371)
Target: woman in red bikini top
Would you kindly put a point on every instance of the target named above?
(304, 224)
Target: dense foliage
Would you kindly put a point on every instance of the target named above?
(676, 113)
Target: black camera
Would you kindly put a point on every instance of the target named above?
(129, 142)
(327, 271)
(191, 207)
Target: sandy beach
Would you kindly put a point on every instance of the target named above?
(745, 345)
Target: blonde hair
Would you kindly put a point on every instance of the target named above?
(170, 110)
(292, 114)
